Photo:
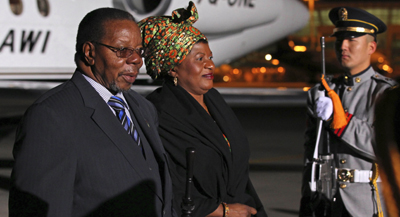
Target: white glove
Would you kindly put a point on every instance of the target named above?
(324, 107)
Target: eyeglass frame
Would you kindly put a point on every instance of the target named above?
(140, 51)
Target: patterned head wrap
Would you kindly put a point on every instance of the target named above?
(168, 40)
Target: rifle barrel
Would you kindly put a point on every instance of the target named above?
(323, 54)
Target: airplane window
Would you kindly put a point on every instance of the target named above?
(143, 6)
(43, 6)
(16, 6)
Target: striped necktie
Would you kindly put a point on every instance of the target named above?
(119, 105)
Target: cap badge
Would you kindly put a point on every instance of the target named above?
(343, 14)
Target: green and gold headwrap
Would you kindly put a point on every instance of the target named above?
(169, 39)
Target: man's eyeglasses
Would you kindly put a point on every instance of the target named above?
(123, 52)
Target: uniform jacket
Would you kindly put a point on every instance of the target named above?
(73, 158)
(353, 144)
(220, 175)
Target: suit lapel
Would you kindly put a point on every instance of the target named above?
(151, 135)
(109, 124)
(148, 128)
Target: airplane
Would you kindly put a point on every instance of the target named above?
(37, 38)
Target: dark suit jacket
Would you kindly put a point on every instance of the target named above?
(73, 158)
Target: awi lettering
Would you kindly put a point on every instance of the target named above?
(27, 43)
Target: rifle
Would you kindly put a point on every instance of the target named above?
(324, 183)
(187, 202)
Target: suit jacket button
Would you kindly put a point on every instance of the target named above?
(342, 186)
(150, 168)
(343, 161)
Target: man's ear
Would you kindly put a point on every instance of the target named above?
(88, 53)
(372, 47)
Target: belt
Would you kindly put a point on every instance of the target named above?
(352, 175)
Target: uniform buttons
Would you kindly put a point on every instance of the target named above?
(358, 80)
(349, 89)
(343, 186)
(345, 77)
(345, 109)
(376, 76)
(343, 161)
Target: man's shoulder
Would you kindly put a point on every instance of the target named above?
(56, 94)
(60, 100)
(377, 77)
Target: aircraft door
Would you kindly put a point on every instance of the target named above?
(143, 8)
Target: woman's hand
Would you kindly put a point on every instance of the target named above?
(241, 210)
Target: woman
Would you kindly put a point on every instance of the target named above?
(193, 114)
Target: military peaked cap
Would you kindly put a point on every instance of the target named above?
(355, 22)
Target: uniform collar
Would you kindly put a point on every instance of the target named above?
(351, 80)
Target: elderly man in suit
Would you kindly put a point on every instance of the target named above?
(90, 146)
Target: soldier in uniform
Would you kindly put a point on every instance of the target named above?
(352, 145)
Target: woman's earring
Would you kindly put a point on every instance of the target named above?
(175, 81)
